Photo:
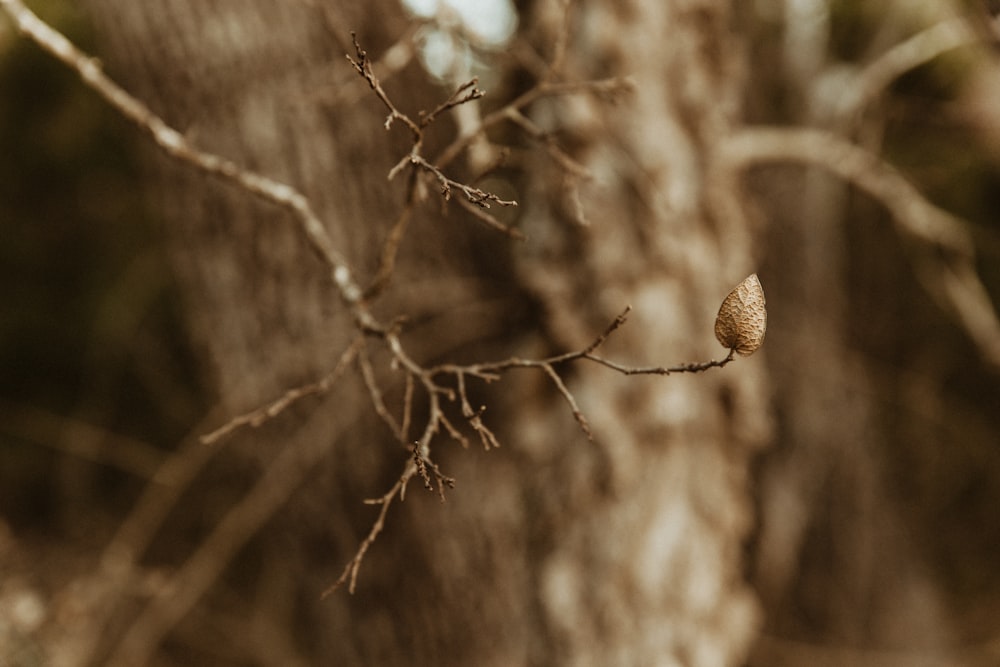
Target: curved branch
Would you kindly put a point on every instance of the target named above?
(947, 265)
(910, 54)
(175, 145)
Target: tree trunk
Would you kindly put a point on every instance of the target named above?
(553, 549)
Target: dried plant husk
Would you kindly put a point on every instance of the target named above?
(742, 318)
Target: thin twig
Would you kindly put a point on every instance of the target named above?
(255, 418)
(404, 426)
(368, 373)
(81, 439)
(695, 367)
(425, 466)
(475, 195)
(455, 433)
(390, 247)
(466, 92)
(568, 164)
(457, 98)
(492, 371)
(475, 417)
(364, 67)
(577, 413)
(350, 573)
(487, 219)
(282, 476)
(603, 87)
(908, 55)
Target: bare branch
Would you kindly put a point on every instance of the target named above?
(291, 464)
(202, 568)
(390, 248)
(175, 145)
(489, 372)
(475, 417)
(350, 573)
(918, 50)
(577, 413)
(425, 466)
(568, 164)
(364, 67)
(404, 427)
(455, 433)
(474, 195)
(603, 87)
(486, 218)
(615, 324)
(481, 199)
(81, 439)
(695, 367)
(457, 98)
(257, 417)
(368, 373)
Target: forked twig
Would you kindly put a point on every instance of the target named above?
(417, 163)
(492, 371)
(350, 573)
(363, 66)
(420, 462)
(464, 93)
(375, 394)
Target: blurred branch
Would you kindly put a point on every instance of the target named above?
(139, 527)
(945, 262)
(118, 576)
(282, 476)
(610, 88)
(390, 247)
(910, 54)
(569, 165)
(81, 439)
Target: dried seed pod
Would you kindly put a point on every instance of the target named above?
(742, 318)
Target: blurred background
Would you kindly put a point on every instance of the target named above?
(874, 493)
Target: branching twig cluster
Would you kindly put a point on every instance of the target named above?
(438, 385)
(473, 200)
(448, 384)
(466, 92)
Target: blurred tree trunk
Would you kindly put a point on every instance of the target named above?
(552, 549)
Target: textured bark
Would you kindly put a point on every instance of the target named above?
(553, 549)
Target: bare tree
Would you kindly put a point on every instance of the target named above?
(358, 243)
